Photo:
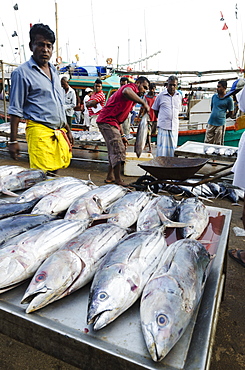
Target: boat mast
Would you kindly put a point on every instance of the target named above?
(56, 24)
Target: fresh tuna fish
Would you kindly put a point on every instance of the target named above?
(94, 202)
(10, 170)
(22, 255)
(215, 188)
(43, 188)
(71, 267)
(123, 274)
(232, 195)
(128, 208)
(141, 135)
(15, 225)
(20, 181)
(59, 200)
(150, 217)
(11, 208)
(195, 214)
(172, 294)
(209, 150)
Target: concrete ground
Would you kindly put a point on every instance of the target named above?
(229, 345)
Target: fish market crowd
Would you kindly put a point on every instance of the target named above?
(64, 232)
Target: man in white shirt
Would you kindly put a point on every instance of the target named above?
(70, 100)
(167, 107)
(86, 121)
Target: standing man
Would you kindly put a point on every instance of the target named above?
(95, 105)
(167, 107)
(126, 124)
(86, 121)
(70, 100)
(36, 95)
(150, 98)
(110, 124)
(221, 108)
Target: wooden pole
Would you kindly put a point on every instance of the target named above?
(4, 95)
(56, 23)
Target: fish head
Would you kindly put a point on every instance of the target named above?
(125, 218)
(112, 292)
(51, 283)
(160, 320)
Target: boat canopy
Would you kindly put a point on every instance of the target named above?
(110, 84)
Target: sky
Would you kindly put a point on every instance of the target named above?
(184, 35)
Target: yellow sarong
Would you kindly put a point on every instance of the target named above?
(48, 149)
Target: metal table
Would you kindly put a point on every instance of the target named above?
(60, 329)
(196, 149)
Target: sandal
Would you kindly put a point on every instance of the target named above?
(109, 181)
(238, 258)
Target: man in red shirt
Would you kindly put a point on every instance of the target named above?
(110, 124)
(150, 97)
(95, 105)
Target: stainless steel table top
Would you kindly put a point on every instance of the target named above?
(60, 328)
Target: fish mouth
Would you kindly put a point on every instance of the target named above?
(30, 297)
(98, 321)
(151, 345)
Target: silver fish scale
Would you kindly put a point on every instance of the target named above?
(193, 212)
(177, 282)
(133, 246)
(47, 234)
(136, 199)
(10, 170)
(32, 247)
(94, 201)
(99, 235)
(149, 216)
(22, 180)
(109, 194)
(141, 135)
(127, 208)
(123, 274)
(60, 199)
(44, 187)
(78, 261)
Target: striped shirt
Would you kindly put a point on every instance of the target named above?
(100, 98)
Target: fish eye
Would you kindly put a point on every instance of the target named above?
(103, 296)
(40, 277)
(162, 320)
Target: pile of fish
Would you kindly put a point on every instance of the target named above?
(87, 136)
(48, 234)
(222, 151)
(209, 190)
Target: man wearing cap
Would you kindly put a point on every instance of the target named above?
(222, 107)
(88, 92)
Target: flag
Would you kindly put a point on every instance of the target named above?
(225, 27)
(222, 17)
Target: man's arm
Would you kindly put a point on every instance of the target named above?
(229, 114)
(69, 133)
(131, 95)
(14, 149)
(156, 112)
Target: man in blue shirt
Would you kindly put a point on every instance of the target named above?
(37, 96)
(221, 108)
